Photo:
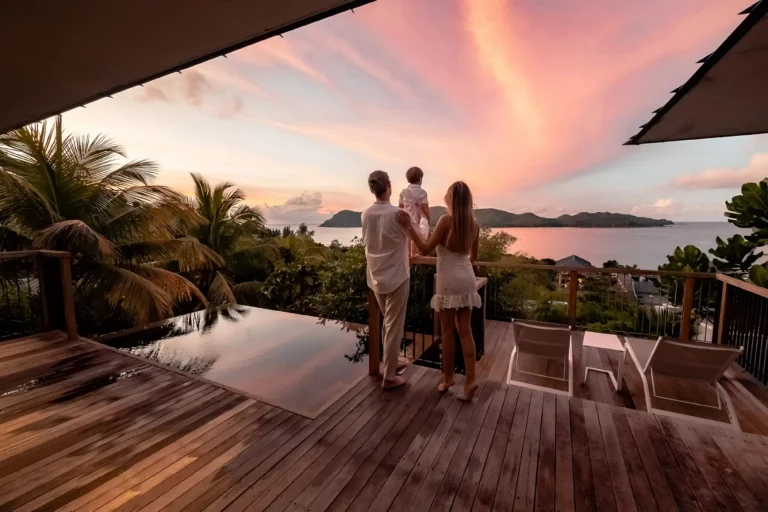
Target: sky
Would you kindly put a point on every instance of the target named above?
(528, 101)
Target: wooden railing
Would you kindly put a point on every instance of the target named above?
(36, 293)
(744, 323)
(638, 302)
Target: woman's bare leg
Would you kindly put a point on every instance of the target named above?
(464, 317)
(448, 326)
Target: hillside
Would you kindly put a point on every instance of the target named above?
(495, 218)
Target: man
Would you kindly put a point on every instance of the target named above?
(388, 272)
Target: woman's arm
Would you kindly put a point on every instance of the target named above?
(426, 247)
(475, 247)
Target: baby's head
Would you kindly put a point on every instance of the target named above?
(414, 175)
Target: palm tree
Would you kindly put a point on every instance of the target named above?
(232, 230)
(70, 192)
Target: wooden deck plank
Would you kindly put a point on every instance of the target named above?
(447, 492)
(526, 486)
(332, 489)
(601, 474)
(164, 441)
(545, 483)
(254, 463)
(428, 440)
(489, 480)
(696, 481)
(470, 483)
(583, 487)
(510, 468)
(749, 472)
(717, 469)
(620, 478)
(422, 484)
(639, 453)
(353, 428)
(564, 488)
(397, 439)
(59, 491)
(57, 464)
(160, 460)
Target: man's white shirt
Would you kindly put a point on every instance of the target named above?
(386, 247)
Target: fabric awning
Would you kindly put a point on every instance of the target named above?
(726, 96)
(63, 54)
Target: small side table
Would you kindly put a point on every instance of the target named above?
(602, 341)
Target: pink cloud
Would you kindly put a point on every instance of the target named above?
(756, 170)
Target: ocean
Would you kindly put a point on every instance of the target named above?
(645, 247)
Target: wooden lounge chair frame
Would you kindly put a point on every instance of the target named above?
(546, 351)
(649, 389)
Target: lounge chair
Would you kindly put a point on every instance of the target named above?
(684, 361)
(543, 342)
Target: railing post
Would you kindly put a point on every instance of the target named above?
(685, 320)
(573, 288)
(68, 297)
(721, 320)
(374, 334)
(41, 285)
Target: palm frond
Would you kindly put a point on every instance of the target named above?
(176, 286)
(220, 291)
(93, 157)
(133, 173)
(77, 237)
(248, 292)
(137, 296)
(193, 255)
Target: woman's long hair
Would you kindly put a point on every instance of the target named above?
(458, 199)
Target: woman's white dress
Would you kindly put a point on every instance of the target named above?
(455, 287)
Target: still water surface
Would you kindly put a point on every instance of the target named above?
(292, 361)
(646, 247)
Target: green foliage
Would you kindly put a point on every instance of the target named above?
(736, 256)
(73, 192)
(493, 246)
(290, 286)
(758, 274)
(750, 210)
(690, 259)
(343, 294)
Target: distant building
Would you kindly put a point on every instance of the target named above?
(573, 261)
(570, 261)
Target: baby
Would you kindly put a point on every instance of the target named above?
(413, 199)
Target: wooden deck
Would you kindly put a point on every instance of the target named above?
(85, 428)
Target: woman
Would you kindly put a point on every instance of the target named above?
(455, 238)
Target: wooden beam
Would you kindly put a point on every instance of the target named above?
(374, 334)
(43, 297)
(68, 297)
(573, 288)
(744, 285)
(685, 320)
(721, 320)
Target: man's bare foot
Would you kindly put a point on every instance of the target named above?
(469, 391)
(394, 383)
(444, 385)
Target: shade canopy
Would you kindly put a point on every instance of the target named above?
(63, 54)
(726, 96)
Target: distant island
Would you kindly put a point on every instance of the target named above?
(494, 218)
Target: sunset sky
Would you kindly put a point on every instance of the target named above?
(528, 101)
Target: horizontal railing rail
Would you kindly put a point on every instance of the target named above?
(36, 293)
(744, 323)
(626, 301)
